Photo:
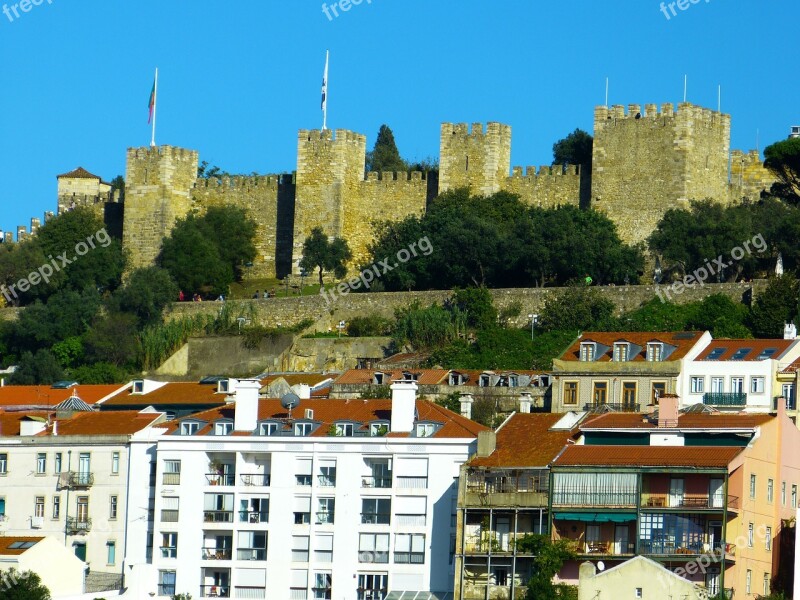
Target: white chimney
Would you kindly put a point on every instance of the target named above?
(303, 390)
(466, 405)
(55, 427)
(525, 402)
(404, 404)
(246, 399)
(790, 331)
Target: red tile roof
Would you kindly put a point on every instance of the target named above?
(526, 440)
(79, 173)
(647, 456)
(366, 376)
(687, 421)
(793, 367)
(327, 412)
(44, 395)
(82, 423)
(756, 346)
(173, 393)
(6, 542)
(683, 340)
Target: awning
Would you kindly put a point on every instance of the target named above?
(588, 517)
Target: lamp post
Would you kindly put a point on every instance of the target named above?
(341, 327)
(534, 321)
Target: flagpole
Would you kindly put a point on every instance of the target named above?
(325, 93)
(155, 105)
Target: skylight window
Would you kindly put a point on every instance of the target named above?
(715, 354)
(741, 353)
(766, 353)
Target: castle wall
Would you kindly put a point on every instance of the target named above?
(550, 187)
(703, 135)
(477, 158)
(158, 191)
(749, 177)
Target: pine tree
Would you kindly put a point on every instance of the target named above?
(385, 156)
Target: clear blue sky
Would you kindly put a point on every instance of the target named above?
(238, 79)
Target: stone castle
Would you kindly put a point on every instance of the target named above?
(644, 163)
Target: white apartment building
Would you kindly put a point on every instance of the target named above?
(344, 499)
(737, 375)
(64, 475)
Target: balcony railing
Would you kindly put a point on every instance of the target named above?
(220, 479)
(218, 516)
(169, 552)
(697, 502)
(78, 524)
(325, 518)
(615, 406)
(490, 482)
(606, 548)
(251, 554)
(485, 541)
(409, 558)
(678, 548)
(412, 482)
(252, 516)
(169, 516)
(255, 479)
(215, 591)
(172, 478)
(216, 553)
(586, 497)
(250, 593)
(81, 480)
(166, 589)
(410, 520)
(326, 480)
(725, 399)
(375, 518)
(376, 482)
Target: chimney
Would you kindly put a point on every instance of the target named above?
(466, 405)
(487, 443)
(789, 331)
(525, 402)
(303, 391)
(246, 399)
(55, 427)
(780, 407)
(668, 410)
(404, 404)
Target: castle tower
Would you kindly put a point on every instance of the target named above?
(478, 159)
(749, 177)
(330, 169)
(81, 188)
(158, 191)
(646, 162)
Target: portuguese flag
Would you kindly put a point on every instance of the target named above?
(152, 104)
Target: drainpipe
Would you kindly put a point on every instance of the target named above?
(724, 536)
(489, 558)
(463, 537)
(514, 556)
(66, 503)
(127, 507)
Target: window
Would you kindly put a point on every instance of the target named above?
(323, 548)
(83, 508)
(172, 472)
(425, 429)
(752, 486)
(268, 429)
(56, 507)
(325, 511)
(629, 393)
(373, 586)
(302, 510)
(717, 385)
(737, 385)
(138, 387)
(794, 496)
(322, 585)
(115, 463)
(638, 593)
(698, 385)
(327, 473)
(302, 471)
(189, 428)
(252, 545)
(783, 493)
(599, 392)
(302, 429)
(748, 582)
(57, 462)
(39, 507)
(299, 583)
(409, 548)
(620, 351)
(344, 429)
(111, 552)
(378, 429)
(170, 509)
(770, 485)
(410, 511)
(654, 351)
(373, 548)
(587, 351)
(223, 428)
(112, 507)
(741, 353)
(41, 463)
(166, 583)
(299, 548)
(169, 545)
(750, 535)
(757, 385)
(658, 390)
(376, 511)
(570, 392)
(768, 539)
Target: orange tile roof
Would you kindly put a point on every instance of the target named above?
(683, 340)
(9, 421)
(82, 423)
(6, 542)
(526, 440)
(687, 421)
(756, 346)
(365, 376)
(793, 367)
(44, 395)
(647, 456)
(79, 173)
(327, 412)
(173, 393)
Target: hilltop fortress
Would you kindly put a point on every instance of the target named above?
(644, 163)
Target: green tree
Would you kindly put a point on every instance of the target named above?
(575, 149)
(384, 155)
(577, 308)
(17, 262)
(319, 253)
(369, 326)
(118, 183)
(23, 586)
(422, 328)
(69, 352)
(113, 339)
(100, 373)
(783, 160)
(234, 234)
(146, 293)
(774, 307)
(549, 557)
(41, 368)
(451, 401)
(476, 305)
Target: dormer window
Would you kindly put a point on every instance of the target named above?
(425, 429)
(588, 351)
(378, 378)
(268, 429)
(302, 429)
(655, 350)
(409, 376)
(484, 381)
(223, 428)
(513, 381)
(456, 379)
(138, 387)
(621, 351)
(344, 429)
(223, 386)
(378, 429)
(190, 428)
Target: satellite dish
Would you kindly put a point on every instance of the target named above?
(601, 566)
(290, 401)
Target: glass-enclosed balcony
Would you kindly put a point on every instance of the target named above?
(595, 489)
(507, 487)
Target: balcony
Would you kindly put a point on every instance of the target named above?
(375, 518)
(614, 406)
(172, 479)
(255, 479)
(732, 399)
(606, 548)
(220, 479)
(81, 480)
(169, 551)
(685, 547)
(78, 525)
(582, 497)
(218, 516)
(326, 480)
(217, 553)
(409, 558)
(252, 516)
(497, 543)
(325, 517)
(251, 554)
(688, 502)
(215, 591)
(376, 482)
(507, 488)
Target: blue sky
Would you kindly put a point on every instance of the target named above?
(238, 79)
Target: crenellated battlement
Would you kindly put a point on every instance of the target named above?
(547, 171)
(243, 182)
(330, 135)
(390, 177)
(157, 152)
